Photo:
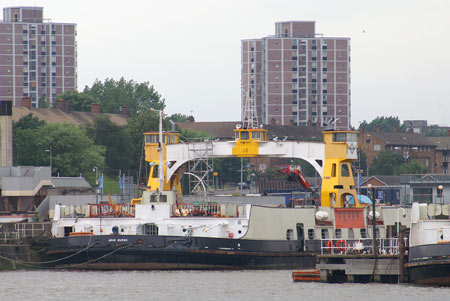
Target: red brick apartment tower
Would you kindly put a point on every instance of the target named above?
(37, 56)
(298, 77)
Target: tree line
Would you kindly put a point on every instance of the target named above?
(77, 150)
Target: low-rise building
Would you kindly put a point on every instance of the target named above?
(412, 146)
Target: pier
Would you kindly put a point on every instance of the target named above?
(354, 261)
(358, 268)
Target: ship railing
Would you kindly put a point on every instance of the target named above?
(112, 210)
(359, 246)
(202, 209)
(24, 230)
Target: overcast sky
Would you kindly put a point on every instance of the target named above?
(190, 49)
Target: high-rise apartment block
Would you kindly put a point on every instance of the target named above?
(38, 58)
(297, 77)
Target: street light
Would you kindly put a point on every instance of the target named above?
(95, 169)
(367, 155)
(441, 191)
(51, 155)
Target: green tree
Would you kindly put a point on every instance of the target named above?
(112, 94)
(435, 131)
(392, 163)
(386, 124)
(385, 163)
(42, 101)
(73, 152)
(80, 102)
(412, 167)
(115, 140)
(177, 117)
(28, 122)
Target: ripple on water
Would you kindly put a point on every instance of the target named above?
(195, 285)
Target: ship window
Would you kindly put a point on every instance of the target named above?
(338, 233)
(310, 233)
(352, 137)
(325, 233)
(289, 234)
(68, 230)
(351, 233)
(244, 135)
(151, 229)
(377, 233)
(344, 170)
(363, 233)
(339, 137)
(333, 170)
(256, 135)
(155, 171)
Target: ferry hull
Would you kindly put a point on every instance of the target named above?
(430, 264)
(430, 272)
(169, 253)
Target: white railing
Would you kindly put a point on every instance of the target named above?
(30, 229)
(359, 246)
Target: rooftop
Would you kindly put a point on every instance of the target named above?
(58, 116)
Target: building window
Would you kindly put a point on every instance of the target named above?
(277, 110)
(277, 54)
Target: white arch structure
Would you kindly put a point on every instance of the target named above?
(308, 151)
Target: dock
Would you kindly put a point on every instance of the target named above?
(359, 268)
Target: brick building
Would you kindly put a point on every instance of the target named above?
(297, 77)
(442, 154)
(412, 146)
(37, 56)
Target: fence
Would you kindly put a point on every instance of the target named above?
(116, 210)
(24, 230)
(359, 246)
(202, 209)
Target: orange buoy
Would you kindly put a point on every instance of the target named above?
(342, 245)
(306, 275)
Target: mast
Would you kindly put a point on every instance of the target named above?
(250, 117)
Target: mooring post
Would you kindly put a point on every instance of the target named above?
(401, 257)
(374, 222)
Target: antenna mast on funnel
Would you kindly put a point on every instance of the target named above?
(250, 117)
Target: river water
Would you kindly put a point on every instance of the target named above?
(196, 285)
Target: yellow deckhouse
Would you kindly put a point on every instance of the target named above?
(338, 185)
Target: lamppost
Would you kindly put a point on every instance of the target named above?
(367, 155)
(441, 192)
(95, 169)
